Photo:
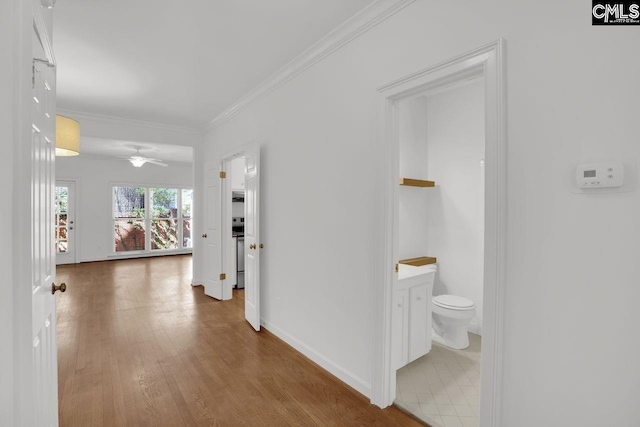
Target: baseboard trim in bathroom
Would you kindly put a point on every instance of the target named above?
(475, 327)
(422, 419)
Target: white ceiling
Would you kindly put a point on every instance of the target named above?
(109, 148)
(180, 62)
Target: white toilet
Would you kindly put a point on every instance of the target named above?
(451, 316)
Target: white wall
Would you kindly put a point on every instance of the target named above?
(572, 272)
(8, 140)
(94, 225)
(413, 219)
(455, 216)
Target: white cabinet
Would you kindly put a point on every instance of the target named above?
(419, 321)
(233, 275)
(411, 320)
(400, 344)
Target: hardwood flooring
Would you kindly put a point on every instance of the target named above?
(138, 346)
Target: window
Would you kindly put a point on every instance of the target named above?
(165, 225)
(187, 202)
(61, 203)
(129, 218)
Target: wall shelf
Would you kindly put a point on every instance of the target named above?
(417, 262)
(416, 182)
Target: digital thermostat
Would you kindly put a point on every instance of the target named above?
(600, 175)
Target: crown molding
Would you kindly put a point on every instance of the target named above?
(353, 28)
(119, 121)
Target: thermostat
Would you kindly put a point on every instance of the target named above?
(600, 175)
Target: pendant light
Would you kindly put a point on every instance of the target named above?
(67, 136)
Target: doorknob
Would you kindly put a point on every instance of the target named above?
(61, 288)
(261, 246)
(252, 246)
(204, 236)
(70, 222)
(70, 228)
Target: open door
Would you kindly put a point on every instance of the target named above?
(44, 360)
(252, 236)
(212, 236)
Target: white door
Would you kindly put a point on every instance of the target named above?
(212, 237)
(65, 222)
(43, 328)
(252, 246)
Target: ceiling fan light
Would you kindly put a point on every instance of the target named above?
(137, 161)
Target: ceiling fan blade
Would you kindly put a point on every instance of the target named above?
(156, 162)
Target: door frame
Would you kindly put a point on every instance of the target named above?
(76, 230)
(226, 214)
(488, 62)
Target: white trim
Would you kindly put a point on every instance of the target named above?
(143, 254)
(489, 62)
(353, 28)
(475, 327)
(333, 368)
(45, 39)
(119, 121)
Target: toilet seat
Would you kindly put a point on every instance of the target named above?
(453, 302)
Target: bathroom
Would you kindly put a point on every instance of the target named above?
(437, 318)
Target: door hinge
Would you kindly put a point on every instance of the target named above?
(223, 174)
(396, 268)
(223, 276)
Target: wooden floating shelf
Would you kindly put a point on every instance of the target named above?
(416, 182)
(417, 262)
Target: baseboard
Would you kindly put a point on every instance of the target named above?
(333, 368)
(475, 327)
(124, 255)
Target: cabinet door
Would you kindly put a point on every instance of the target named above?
(400, 327)
(419, 321)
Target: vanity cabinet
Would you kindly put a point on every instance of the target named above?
(411, 320)
(400, 322)
(419, 321)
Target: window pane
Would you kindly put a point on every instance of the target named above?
(163, 203)
(186, 233)
(61, 203)
(128, 202)
(187, 202)
(129, 235)
(61, 199)
(164, 234)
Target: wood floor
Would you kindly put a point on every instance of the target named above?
(138, 346)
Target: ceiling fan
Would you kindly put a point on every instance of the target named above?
(137, 160)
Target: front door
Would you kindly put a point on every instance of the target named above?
(252, 245)
(65, 222)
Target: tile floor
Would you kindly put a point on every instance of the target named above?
(442, 388)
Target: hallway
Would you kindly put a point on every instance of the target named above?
(138, 346)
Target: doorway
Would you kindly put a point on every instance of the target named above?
(486, 65)
(437, 343)
(239, 257)
(65, 222)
